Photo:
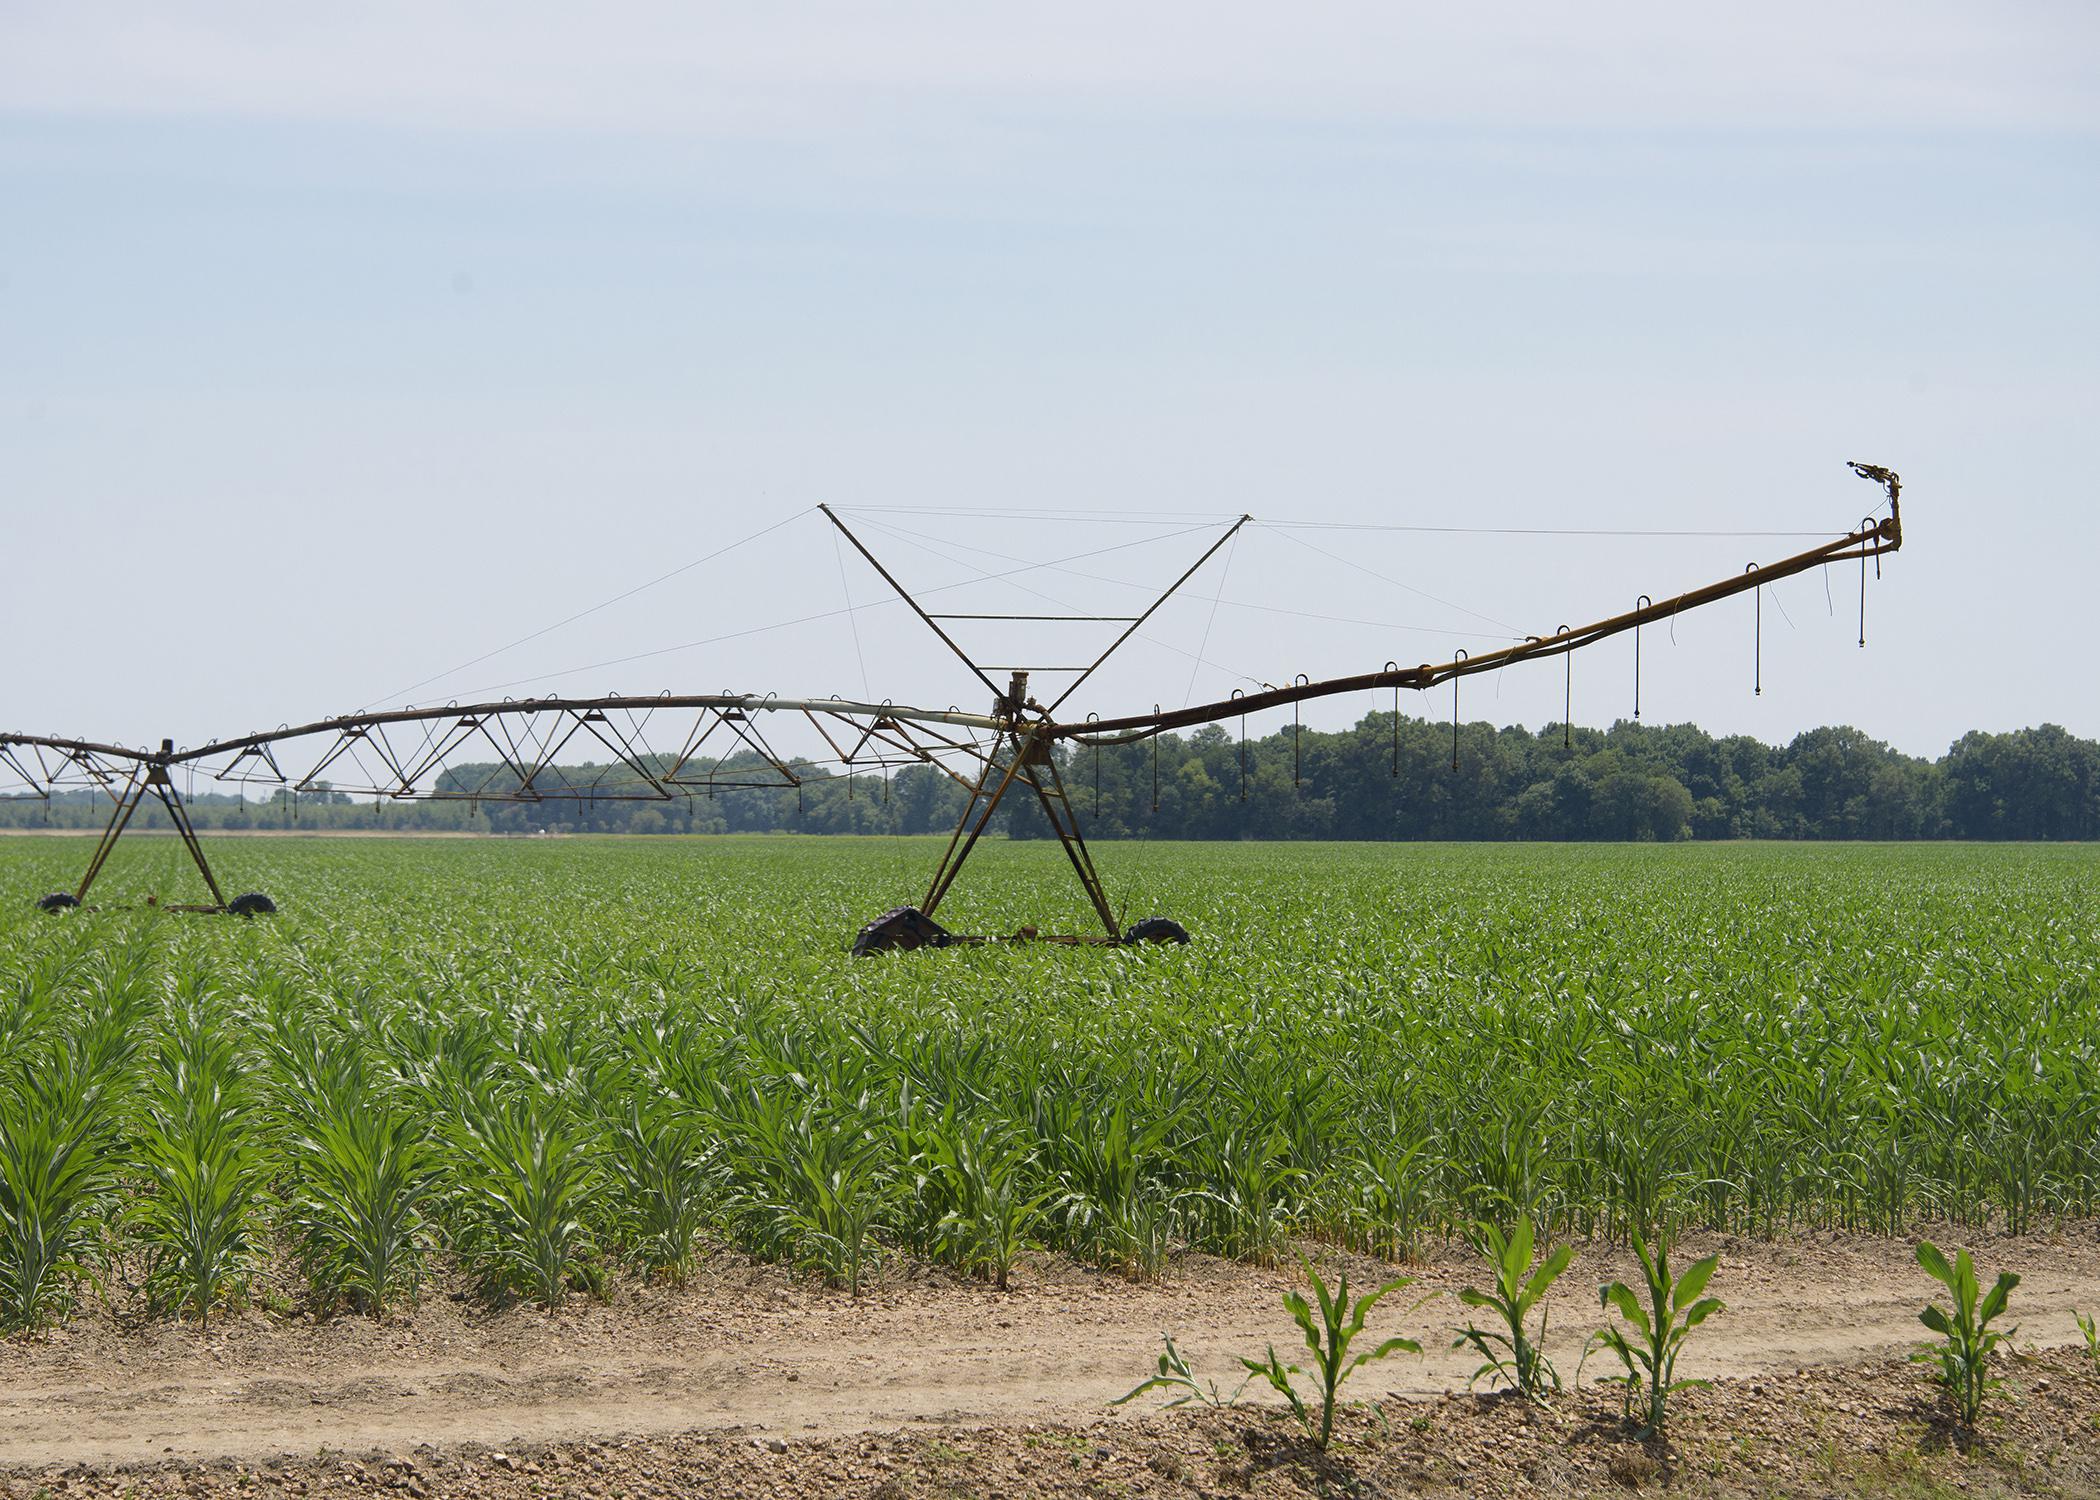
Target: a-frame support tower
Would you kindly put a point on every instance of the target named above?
(1021, 755)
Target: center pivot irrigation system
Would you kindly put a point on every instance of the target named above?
(677, 746)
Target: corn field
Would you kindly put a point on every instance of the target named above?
(542, 1066)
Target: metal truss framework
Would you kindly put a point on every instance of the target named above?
(673, 747)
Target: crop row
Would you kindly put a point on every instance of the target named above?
(611, 1063)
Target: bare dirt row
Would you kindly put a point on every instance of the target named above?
(749, 1366)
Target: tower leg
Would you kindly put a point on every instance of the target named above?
(179, 815)
(1029, 760)
(1057, 807)
(119, 820)
(977, 816)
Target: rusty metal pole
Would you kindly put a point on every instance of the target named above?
(1155, 769)
(1567, 709)
(1883, 536)
(1057, 807)
(1393, 666)
(1757, 637)
(1862, 599)
(1459, 655)
(1297, 734)
(902, 593)
(1639, 604)
(1240, 693)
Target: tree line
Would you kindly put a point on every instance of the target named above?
(1385, 778)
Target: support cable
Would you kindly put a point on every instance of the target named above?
(928, 544)
(1531, 530)
(925, 543)
(1157, 517)
(839, 555)
(1396, 583)
(1224, 572)
(1150, 610)
(595, 608)
(825, 614)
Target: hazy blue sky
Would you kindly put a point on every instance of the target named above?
(341, 345)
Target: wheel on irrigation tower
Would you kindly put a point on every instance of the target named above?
(1157, 930)
(903, 928)
(57, 901)
(253, 904)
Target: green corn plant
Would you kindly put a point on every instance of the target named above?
(925, 1140)
(60, 1117)
(1391, 1201)
(837, 1193)
(754, 1125)
(363, 1173)
(664, 1174)
(1513, 1355)
(525, 1183)
(2015, 1166)
(986, 1214)
(29, 994)
(1150, 1226)
(1500, 1165)
(1960, 1360)
(55, 1175)
(1329, 1337)
(1659, 1331)
(1174, 1375)
(1632, 1151)
(198, 1219)
(1242, 1207)
(366, 1177)
(2091, 1332)
(969, 1203)
(1108, 1207)
(1002, 1222)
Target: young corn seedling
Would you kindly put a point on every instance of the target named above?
(2091, 1330)
(199, 1221)
(1330, 1338)
(1391, 1186)
(60, 1111)
(526, 1182)
(1513, 1355)
(1175, 1375)
(1659, 1331)
(663, 1168)
(1961, 1357)
(1001, 1221)
(54, 1174)
(838, 1192)
(368, 1176)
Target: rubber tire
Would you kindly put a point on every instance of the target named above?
(900, 929)
(1157, 930)
(254, 903)
(57, 901)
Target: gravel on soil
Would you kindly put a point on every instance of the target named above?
(1875, 1428)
